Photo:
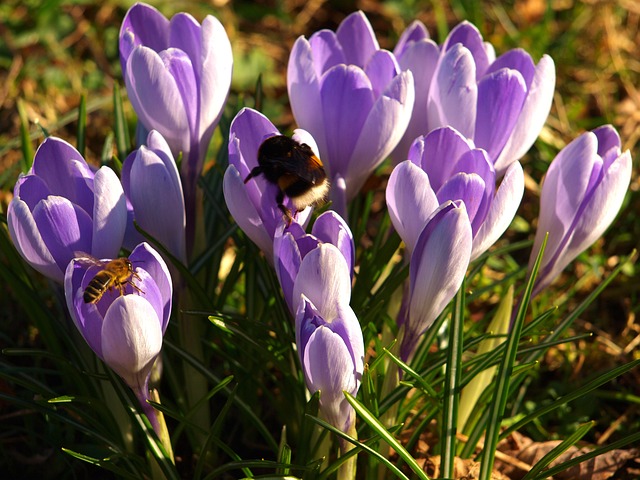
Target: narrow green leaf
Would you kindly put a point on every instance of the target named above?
(498, 327)
(501, 392)
(82, 124)
(105, 463)
(559, 450)
(396, 471)
(25, 140)
(385, 435)
(628, 440)
(452, 385)
(120, 128)
(573, 395)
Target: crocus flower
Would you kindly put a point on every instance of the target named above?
(501, 103)
(437, 267)
(152, 185)
(61, 207)
(353, 98)
(124, 330)
(253, 205)
(328, 334)
(582, 193)
(178, 75)
(444, 165)
(292, 244)
(416, 51)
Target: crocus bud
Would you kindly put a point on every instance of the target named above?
(61, 207)
(178, 74)
(328, 334)
(500, 103)
(152, 185)
(253, 204)
(292, 244)
(582, 193)
(353, 98)
(437, 267)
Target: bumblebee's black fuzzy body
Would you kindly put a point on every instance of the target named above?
(295, 169)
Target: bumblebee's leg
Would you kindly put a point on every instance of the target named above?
(254, 173)
(285, 210)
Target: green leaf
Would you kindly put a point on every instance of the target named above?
(377, 427)
(559, 450)
(501, 391)
(25, 140)
(82, 124)
(120, 128)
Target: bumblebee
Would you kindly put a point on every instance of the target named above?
(295, 169)
(114, 274)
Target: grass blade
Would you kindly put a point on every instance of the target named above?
(386, 436)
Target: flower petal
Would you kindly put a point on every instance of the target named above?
(27, 239)
(156, 98)
(500, 99)
(466, 34)
(131, 339)
(64, 171)
(421, 58)
(244, 211)
(381, 68)
(214, 76)
(357, 38)
(533, 115)
(109, 214)
(148, 259)
(331, 228)
(326, 50)
(303, 86)
(347, 99)
(142, 25)
(410, 200)
(454, 93)
(384, 127)
(502, 211)
(65, 228)
(324, 279)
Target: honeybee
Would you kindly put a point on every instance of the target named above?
(114, 274)
(295, 169)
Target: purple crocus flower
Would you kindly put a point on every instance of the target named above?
(444, 165)
(124, 330)
(253, 205)
(292, 244)
(328, 334)
(178, 75)
(500, 103)
(152, 185)
(61, 206)
(416, 51)
(437, 267)
(582, 193)
(354, 100)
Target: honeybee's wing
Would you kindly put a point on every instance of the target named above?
(88, 260)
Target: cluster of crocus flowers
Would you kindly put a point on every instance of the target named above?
(353, 98)
(69, 221)
(61, 206)
(582, 193)
(178, 74)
